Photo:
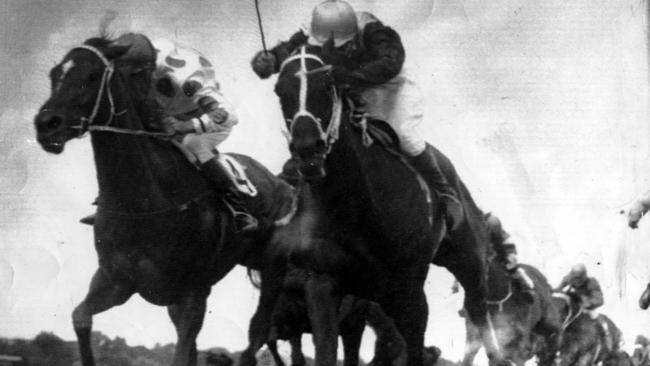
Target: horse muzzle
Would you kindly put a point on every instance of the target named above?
(51, 131)
(313, 169)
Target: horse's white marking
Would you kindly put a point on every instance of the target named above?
(66, 67)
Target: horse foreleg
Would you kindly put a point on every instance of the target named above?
(260, 325)
(273, 348)
(297, 357)
(322, 307)
(470, 272)
(187, 317)
(351, 326)
(472, 343)
(102, 295)
(390, 348)
(406, 304)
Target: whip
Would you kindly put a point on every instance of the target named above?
(259, 24)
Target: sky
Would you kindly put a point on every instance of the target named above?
(542, 107)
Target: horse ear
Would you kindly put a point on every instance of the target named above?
(115, 51)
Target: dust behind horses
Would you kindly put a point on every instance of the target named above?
(160, 231)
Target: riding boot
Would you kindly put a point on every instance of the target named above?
(244, 221)
(526, 284)
(427, 165)
(644, 300)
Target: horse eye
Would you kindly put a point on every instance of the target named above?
(94, 76)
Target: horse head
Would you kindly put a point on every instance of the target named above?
(82, 87)
(311, 107)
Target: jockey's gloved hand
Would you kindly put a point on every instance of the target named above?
(175, 126)
(211, 107)
(264, 64)
(343, 77)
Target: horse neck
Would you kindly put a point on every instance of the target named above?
(134, 173)
(346, 175)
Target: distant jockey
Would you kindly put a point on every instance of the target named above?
(587, 289)
(366, 58)
(506, 253)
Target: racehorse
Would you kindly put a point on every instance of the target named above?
(161, 230)
(522, 329)
(581, 341)
(381, 225)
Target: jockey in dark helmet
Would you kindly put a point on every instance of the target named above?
(506, 253)
(591, 296)
(196, 112)
(367, 58)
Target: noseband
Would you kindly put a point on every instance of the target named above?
(331, 134)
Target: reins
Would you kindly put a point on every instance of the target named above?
(105, 85)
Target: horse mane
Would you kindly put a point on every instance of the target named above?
(100, 42)
(147, 107)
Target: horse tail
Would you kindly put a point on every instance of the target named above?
(254, 277)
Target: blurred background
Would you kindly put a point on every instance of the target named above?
(542, 106)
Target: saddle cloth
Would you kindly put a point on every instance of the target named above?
(238, 175)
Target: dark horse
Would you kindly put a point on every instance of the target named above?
(371, 209)
(160, 230)
(291, 321)
(290, 286)
(582, 342)
(521, 328)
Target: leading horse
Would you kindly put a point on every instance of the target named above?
(385, 224)
(161, 230)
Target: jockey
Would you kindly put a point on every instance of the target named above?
(506, 253)
(196, 113)
(591, 296)
(367, 59)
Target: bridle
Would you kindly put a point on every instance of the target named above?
(331, 134)
(499, 303)
(86, 123)
(571, 316)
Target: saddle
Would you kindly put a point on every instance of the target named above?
(375, 130)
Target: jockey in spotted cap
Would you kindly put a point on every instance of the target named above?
(196, 113)
(588, 291)
(506, 253)
(367, 58)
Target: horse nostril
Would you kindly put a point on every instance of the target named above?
(54, 122)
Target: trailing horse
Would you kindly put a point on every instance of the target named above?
(582, 342)
(366, 224)
(522, 329)
(161, 230)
